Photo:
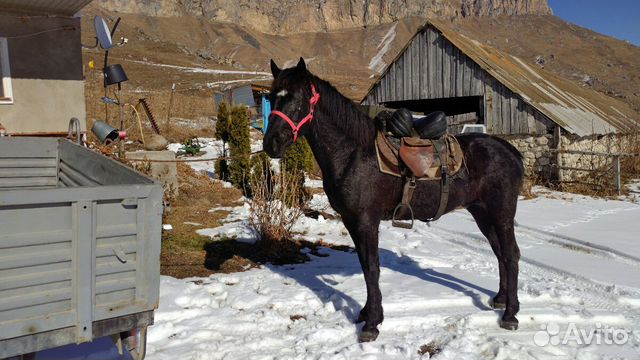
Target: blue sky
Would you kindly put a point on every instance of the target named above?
(617, 18)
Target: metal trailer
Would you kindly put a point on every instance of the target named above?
(79, 248)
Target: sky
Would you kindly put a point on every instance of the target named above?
(616, 18)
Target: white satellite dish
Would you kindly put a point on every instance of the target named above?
(102, 32)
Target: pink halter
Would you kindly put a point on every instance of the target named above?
(312, 102)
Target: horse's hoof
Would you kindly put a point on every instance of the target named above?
(509, 325)
(368, 335)
(497, 305)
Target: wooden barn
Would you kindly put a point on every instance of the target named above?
(474, 83)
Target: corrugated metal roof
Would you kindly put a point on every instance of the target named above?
(579, 110)
(56, 7)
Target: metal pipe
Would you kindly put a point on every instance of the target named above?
(74, 122)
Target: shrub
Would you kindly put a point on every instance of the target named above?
(269, 214)
(296, 161)
(222, 133)
(239, 149)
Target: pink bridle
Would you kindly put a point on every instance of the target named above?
(312, 103)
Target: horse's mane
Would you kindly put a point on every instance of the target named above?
(345, 114)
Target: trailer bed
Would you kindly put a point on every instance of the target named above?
(79, 245)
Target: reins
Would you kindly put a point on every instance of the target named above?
(312, 103)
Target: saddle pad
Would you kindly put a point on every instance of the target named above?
(419, 155)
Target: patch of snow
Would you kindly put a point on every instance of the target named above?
(202, 70)
(436, 283)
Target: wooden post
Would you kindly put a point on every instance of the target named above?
(557, 142)
(616, 173)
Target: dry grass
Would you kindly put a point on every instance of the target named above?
(183, 252)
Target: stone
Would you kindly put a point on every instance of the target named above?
(156, 142)
(165, 172)
(542, 140)
(543, 161)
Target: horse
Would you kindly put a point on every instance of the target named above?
(342, 138)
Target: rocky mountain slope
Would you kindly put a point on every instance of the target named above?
(294, 16)
(243, 35)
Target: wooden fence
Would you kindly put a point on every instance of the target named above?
(615, 166)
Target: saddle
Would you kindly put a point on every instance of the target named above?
(430, 154)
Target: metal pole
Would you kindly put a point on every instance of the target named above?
(616, 174)
(173, 89)
(121, 115)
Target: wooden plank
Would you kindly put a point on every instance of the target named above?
(400, 77)
(438, 69)
(415, 68)
(433, 68)
(423, 64)
(497, 108)
(506, 110)
(406, 60)
(446, 69)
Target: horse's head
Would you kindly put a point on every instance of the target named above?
(293, 97)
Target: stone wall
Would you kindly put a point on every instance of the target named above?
(535, 153)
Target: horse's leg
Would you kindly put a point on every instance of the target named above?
(364, 233)
(485, 223)
(511, 256)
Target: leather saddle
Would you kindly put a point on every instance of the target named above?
(401, 123)
(427, 153)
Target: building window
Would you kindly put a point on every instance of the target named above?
(6, 94)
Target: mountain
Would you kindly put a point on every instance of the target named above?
(294, 16)
(346, 42)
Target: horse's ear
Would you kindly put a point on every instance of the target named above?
(275, 70)
(301, 65)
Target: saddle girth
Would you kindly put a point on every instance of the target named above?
(408, 188)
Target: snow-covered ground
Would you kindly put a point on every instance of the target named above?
(579, 291)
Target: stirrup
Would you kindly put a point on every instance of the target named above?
(402, 224)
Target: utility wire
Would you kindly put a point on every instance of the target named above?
(62, 28)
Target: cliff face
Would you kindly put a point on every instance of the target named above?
(294, 16)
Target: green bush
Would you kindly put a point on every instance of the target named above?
(297, 161)
(222, 124)
(222, 133)
(239, 149)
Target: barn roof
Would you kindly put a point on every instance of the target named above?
(56, 7)
(579, 110)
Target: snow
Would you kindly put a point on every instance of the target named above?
(377, 63)
(202, 70)
(577, 271)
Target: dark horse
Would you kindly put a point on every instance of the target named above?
(342, 138)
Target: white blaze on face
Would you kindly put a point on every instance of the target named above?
(282, 93)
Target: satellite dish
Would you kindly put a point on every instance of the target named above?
(102, 32)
